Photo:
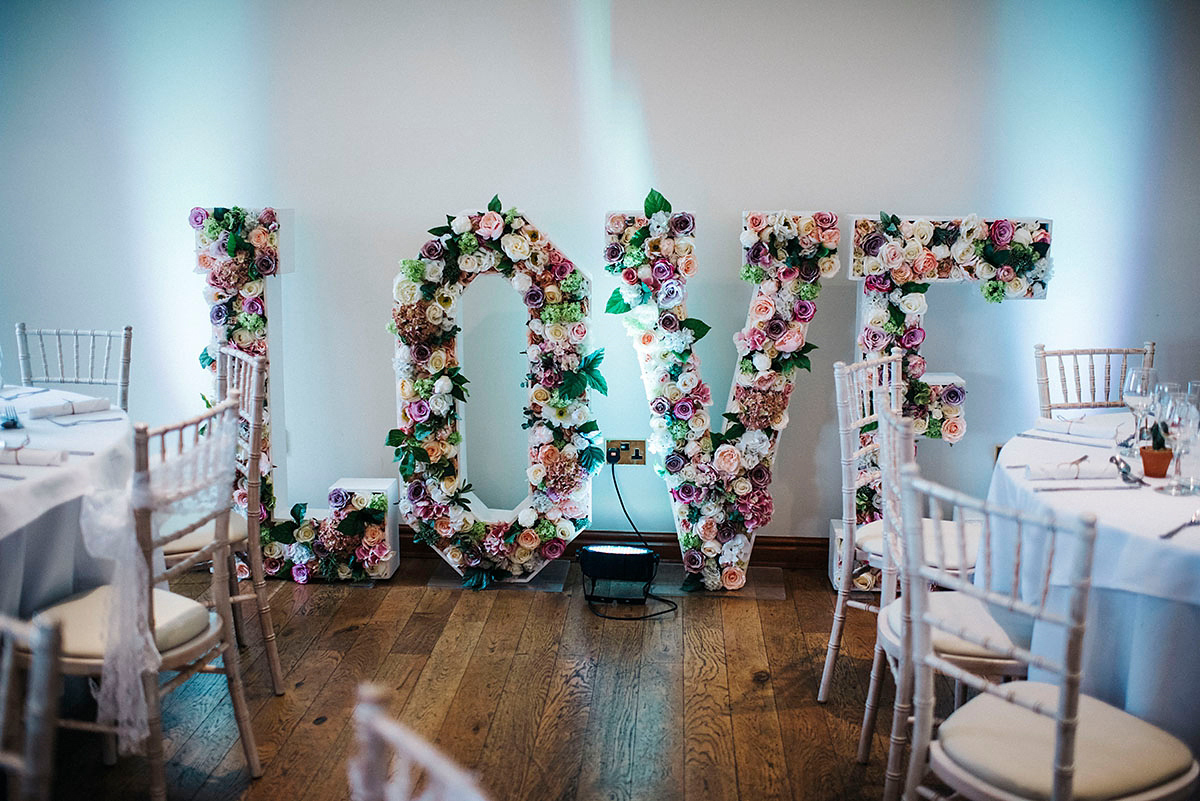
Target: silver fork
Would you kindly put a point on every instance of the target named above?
(10, 414)
(1193, 521)
(84, 422)
(24, 393)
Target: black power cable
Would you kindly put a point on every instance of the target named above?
(672, 604)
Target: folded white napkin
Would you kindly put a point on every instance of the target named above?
(1086, 469)
(69, 407)
(32, 456)
(1079, 428)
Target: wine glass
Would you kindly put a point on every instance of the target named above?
(1137, 393)
(1193, 392)
(1183, 423)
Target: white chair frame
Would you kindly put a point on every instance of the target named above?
(393, 761)
(84, 366)
(30, 763)
(856, 384)
(1007, 592)
(246, 375)
(1109, 395)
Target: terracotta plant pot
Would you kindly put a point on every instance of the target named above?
(1155, 463)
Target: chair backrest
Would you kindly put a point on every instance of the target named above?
(1065, 561)
(897, 447)
(396, 764)
(247, 375)
(183, 472)
(1107, 365)
(89, 354)
(32, 762)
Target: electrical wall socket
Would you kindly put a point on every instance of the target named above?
(628, 451)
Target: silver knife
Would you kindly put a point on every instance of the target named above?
(1066, 441)
(1086, 489)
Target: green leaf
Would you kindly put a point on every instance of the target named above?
(807, 348)
(913, 286)
(206, 361)
(298, 512)
(441, 230)
(1041, 248)
(639, 236)
(616, 304)
(693, 582)
(573, 385)
(395, 438)
(655, 203)
(869, 427)
(733, 432)
(494, 204)
(731, 417)
(596, 381)
(698, 328)
(591, 458)
(588, 427)
(592, 360)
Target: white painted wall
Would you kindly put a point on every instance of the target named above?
(372, 120)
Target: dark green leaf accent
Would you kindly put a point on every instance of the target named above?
(441, 230)
(698, 328)
(639, 236)
(591, 458)
(494, 204)
(913, 286)
(655, 203)
(298, 512)
(206, 361)
(395, 438)
(1041, 248)
(693, 582)
(616, 304)
(872, 426)
(588, 427)
(480, 578)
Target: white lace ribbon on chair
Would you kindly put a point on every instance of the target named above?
(185, 487)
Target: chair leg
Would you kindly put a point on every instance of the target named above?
(264, 619)
(835, 634)
(960, 693)
(108, 749)
(872, 706)
(893, 777)
(241, 711)
(239, 620)
(154, 742)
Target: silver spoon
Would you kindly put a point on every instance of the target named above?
(1193, 521)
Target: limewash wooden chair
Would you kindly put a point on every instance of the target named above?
(53, 349)
(247, 375)
(1083, 386)
(393, 763)
(29, 763)
(1023, 739)
(181, 475)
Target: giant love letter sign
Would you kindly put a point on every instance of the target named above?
(483, 545)
(897, 260)
(719, 482)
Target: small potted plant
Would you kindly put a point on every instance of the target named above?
(1157, 458)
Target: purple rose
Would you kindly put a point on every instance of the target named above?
(686, 492)
(693, 560)
(415, 491)
(433, 250)
(419, 410)
(872, 242)
(218, 314)
(535, 298)
(804, 310)
(1001, 232)
(265, 262)
(197, 216)
(775, 328)
(562, 269)
(420, 353)
(759, 254)
(671, 294)
(681, 223)
(668, 322)
(913, 337)
(809, 271)
(253, 305)
(683, 409)
(554, 548)
(725, 532)
(877, 283)
(338, 498)
(551, 377)
(267, 218)
(614, 252)
(318, 548)
(760, 476)
(660, 405)
(472, 557)
(674, 462)
(661, 269)
(300, 574)
(219, 248)
(874, 339)
(954, 395)
(914, 366)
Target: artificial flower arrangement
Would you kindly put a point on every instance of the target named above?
(719, 482)
(563, 453)
(351, 544)
(236, 249)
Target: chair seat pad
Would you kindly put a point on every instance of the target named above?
(869, 538)
(84, 619)
(973, 615)
(195, 540)
(1012, 748)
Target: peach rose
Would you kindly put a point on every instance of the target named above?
(733, 578)
(726, 459)
(687, 266)
(491, 226)
(615, 223)
(925, 264)
(902, 274)
(548, 454)
(259, 237)
(528, 538)
(791, 341)
(647, 339)
(707, 529)
(763, 308)
(756, 221)
(830, 237)
(444, 527)
(953, 429)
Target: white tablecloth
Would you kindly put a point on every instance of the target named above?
(42, 554)
(1143, 632)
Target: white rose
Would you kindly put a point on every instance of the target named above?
(443, 385)
(1022, 236)
(912, 250)
(536, 474)
(440, 405)
(434, 313)
(470, 263)
(748, 237)
(940, 252)
(923, 231)
(433, 270)
(527, 517)
(877, 317)
(516, 246)
(521, 281)
(251, 289)
(963, 252)
(871, 265)
(710, 548)
(566, 529)
(828, 266)
(461, 224)
(985, 270)
(1017, 287)
(241, 337)
(762, 362)
(914, 303)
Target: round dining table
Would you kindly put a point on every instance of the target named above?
(1142, 639)
(43, 552)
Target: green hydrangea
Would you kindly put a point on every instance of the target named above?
(919, 393)
(424, 387)
(993, 291)
(690, 541)
(391, 328)
(678, 429)
(753, 273)
(809, 291)
(545, 530)
(934, 431)
(634, 257)
(379, 502)
(747, 367)
(569, 312)
(455, 438)
(468, 243)
(251, 322)
(212, 228)
(413, 270)
(477, 530)
(572, 284)
(893, 329)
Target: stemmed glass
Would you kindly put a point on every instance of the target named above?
(1137, 393)
(1183, 423)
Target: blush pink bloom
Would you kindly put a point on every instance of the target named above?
(791, 341)
(733, 578)
(491, 226)
(727, 460)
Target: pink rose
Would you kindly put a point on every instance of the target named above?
(789, 273)
(762, 308)
(733, 578)
(825, 219)
(756, 221)
(1006, 274)
(491, 226)
(554, 548)
(706, 529)
(791, 341)
(953, 429)
(1001, 232)
(925, 264)
(830, 237)
(892, 255)
(727, 460)
(615, 224)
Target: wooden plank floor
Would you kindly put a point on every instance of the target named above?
(538, 696)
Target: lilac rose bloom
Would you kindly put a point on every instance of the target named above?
(420, 353)
(472, 557)
(760, 475)
(809, 271)
(668, 322)
(683, 409)
(300, 574)
(693, 560)
(661, 269)
(872, 242)
(674, 462)
(660, 405)
(877, 283)
(1001, 232)
(759, 254)
(433, 250)
(686, 492)
(726, 532)
(415, 491)
(954, 395)
(671, 294)
(338, 498)
(681, 223)
(535, 298)
(554, 548)
(266, 263)
(874, 339)
(804, 310)
(775, 328)
(614, 252)
(419, 410)
(253, 305)
(913, 337)
(197, 216)
(267, 218)
(218, 314)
